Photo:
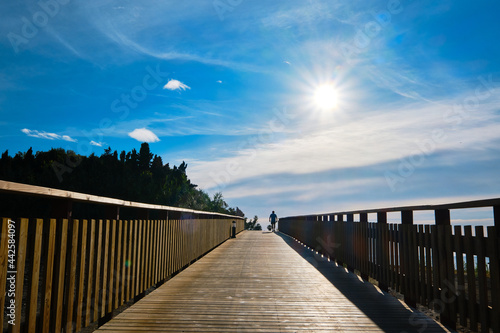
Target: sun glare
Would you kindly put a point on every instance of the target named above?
(326, 97)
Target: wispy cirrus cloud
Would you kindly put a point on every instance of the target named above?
(97, 144)
(176, 85)
(47, 135)
(143, 135)
(379, 137)
(304, 14)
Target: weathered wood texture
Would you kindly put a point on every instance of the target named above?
(32, 190)
(264, 282)
(453, 271)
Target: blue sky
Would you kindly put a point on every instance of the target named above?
(229, 86)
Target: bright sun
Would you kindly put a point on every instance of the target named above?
(326, 97)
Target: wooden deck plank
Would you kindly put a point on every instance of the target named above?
(264, 282)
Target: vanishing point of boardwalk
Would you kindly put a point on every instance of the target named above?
(265, 282)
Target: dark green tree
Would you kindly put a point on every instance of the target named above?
(250, 224)
(130, 176)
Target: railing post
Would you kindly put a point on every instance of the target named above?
(322, 238)
(496, 219)
(405, 251)
(340, 239)
(445, 266)
(442, 216)
(330, 237)
(407, 217)
(349, 244)
(363, 243)
(315, 233)
(383, 251)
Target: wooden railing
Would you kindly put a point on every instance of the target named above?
(60, 275)
(445, 268)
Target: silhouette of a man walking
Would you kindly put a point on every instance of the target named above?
(273, 218)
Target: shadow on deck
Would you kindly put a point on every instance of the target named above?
(388, 313)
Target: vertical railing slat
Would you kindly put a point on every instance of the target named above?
(428, 261)
(105, 268)
(145, 275)
(413, 263)
(130, 258)
(450, 283)
(125, 263)
(118, 277)
(147, 255)
(134, 268)
(83, 252)
(421, 246)
(471, 278)
(459, 249)
(481, 279)
(397, 251)
(35, 272)
(154, 268)
(72, 276)
(112, 267)
(49, 275)
(98, 280)
(90, 278)
(435, 264)
(60, 271)
(162, 251)
(140, 259)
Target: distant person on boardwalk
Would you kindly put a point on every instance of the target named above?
(273, 218)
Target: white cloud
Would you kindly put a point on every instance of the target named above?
(98, 144)
(46, 135)
(176, 85)
(68, 138)
(143, 135)
(359, 141)
(219, 81)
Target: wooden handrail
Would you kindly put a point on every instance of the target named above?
(26, 189)
(456, 205)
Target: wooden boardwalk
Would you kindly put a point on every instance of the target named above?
(266, 282)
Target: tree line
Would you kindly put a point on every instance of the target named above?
(134, 176)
